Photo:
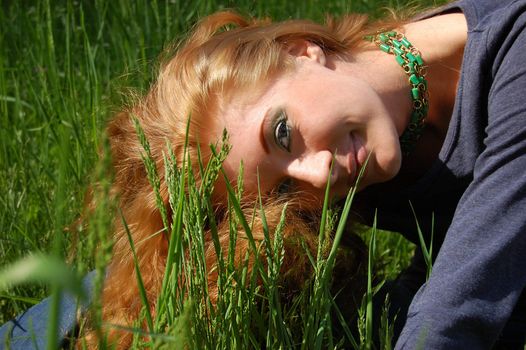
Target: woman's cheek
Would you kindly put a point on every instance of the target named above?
(386, 157)
(389, 161)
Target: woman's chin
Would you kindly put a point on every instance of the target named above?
(383, 166)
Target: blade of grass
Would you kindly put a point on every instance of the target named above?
(426, 252)
(140, 283)
(369, 294)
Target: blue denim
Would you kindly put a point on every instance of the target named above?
(29, 329)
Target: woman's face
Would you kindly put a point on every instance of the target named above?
(300, 123)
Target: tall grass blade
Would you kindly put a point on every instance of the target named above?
(140, 283)
(369, 294)
(426, 252)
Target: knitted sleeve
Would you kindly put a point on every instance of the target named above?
(480, 271)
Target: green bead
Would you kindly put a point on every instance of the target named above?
(384, 48)
(396, 43)
(383, 38)
(405, 42)
(419, 60)
(400, 60)
(416, 93)
(390, 33)
(397, 51)
(414, 79)
(410, 57)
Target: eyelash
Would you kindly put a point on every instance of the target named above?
(282, 121)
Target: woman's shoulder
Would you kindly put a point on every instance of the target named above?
(479, 13)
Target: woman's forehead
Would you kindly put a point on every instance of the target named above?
(252, 96)
(243, 105)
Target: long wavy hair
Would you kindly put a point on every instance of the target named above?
(225, 52)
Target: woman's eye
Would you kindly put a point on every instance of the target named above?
(282, 133)
(284, 186)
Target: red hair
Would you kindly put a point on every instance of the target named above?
(225, 52)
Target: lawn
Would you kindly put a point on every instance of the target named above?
(65, 68)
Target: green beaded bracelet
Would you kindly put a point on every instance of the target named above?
(410, 59)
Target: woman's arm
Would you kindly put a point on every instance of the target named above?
(29, 329)
(480, 271)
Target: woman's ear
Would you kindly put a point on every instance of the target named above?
(306, 49)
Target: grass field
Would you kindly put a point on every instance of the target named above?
(65, 67)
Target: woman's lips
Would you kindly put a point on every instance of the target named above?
(357, 157)
(352, 162)
(359, 149)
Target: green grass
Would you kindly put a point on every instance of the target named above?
(65, 66)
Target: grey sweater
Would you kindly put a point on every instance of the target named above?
(476, 190)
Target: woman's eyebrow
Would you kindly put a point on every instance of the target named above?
(263, 130)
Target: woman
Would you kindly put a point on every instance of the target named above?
(441, 127)
(464, 166)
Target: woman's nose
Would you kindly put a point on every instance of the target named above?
(314, 169)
